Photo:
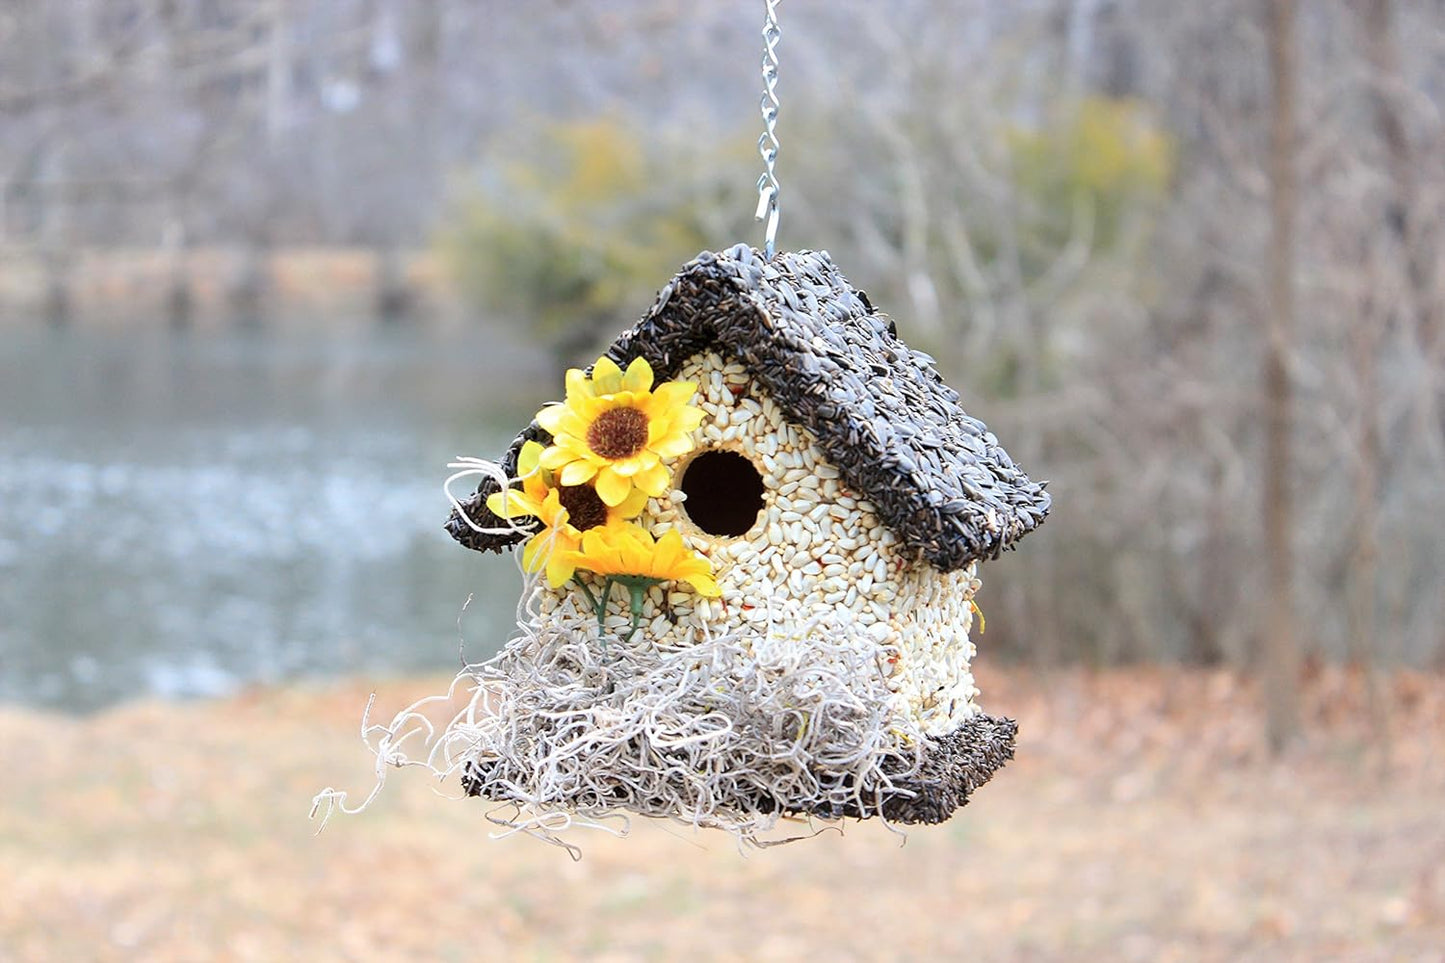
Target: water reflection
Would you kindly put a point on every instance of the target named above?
(180, 515)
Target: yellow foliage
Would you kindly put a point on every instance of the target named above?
(579, 235)
(1108, 150)
(602, 161)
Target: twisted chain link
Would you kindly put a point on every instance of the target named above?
(768, 142)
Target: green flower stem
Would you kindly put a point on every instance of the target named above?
(599, 606)
(637, 586)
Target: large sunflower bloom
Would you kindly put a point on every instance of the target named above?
(621, 550)
(565, 511)
(615, 429)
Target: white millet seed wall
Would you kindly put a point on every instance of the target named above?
(816, 548)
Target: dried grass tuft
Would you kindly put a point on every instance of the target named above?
(570, 729)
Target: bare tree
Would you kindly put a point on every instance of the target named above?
(1280, 648)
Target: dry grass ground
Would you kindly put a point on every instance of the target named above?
(1140, 822)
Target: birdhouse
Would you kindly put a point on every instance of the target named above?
(779, 622)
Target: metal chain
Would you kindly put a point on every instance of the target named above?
(768, 142)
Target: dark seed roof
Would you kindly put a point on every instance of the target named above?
(834, 365)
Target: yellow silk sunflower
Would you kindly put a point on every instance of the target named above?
(615, 429)
(565, 511)
(627, 552)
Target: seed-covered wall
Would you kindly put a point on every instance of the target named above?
(788, 541)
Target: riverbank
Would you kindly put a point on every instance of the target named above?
(302, 288)
(1141, 821)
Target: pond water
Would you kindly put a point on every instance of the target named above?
(183, 514)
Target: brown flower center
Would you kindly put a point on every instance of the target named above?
(618, 433)
(585, 508)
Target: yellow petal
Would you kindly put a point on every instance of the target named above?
(551, 417)
(589, 408)
(669, 550)
(675, 393)
(671, 446)
(627, 399)
(687, 419)
(512, 504)
(532, 554)
(579, 473)
(555, 457)
(638, 376)
(578, 387)
(632, 505)
(528, 457)
(704, 584)
(652, 480)
(612, 488)
(606, 376)
(571, 425)
(593, 540)
(536, 486)
(551, 512)
(560, 568)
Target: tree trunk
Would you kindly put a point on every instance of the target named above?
(1281, 652)
(1364, 567)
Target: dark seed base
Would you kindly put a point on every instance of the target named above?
(951, 768)
(882, 415)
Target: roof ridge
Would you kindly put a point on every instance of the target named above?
(879, 410)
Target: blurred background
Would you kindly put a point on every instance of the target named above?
(267, 266)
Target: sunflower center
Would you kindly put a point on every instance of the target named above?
(585, 508)
(618, 433)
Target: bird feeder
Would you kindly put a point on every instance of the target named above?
(796, 637)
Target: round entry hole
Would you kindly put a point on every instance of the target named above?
(724, 493)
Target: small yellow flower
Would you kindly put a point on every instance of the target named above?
(565, 511)
(615, 429)
(622, 549)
